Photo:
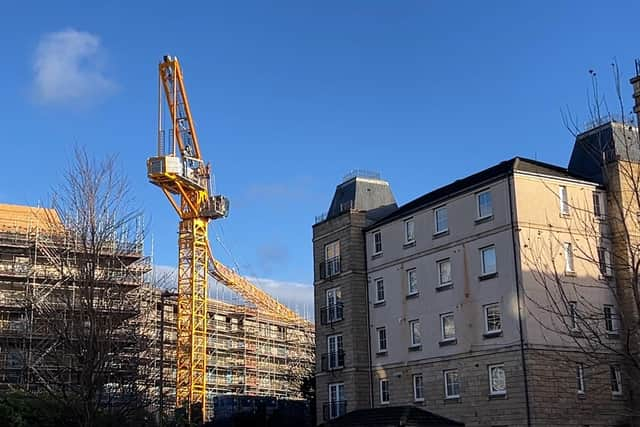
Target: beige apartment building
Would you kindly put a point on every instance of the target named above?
(494, 300)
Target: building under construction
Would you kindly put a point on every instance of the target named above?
(250, 351)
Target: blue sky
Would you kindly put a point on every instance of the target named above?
(288, 96)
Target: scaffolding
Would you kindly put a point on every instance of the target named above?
(43, 301)
(249, 353)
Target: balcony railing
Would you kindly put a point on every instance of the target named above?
(331, 361)
(330, 268)
(331, 313)
(334, 409)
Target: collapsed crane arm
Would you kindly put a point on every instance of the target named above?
(250, 292)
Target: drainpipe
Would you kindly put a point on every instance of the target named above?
(517, 276)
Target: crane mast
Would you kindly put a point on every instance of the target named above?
(180, 172)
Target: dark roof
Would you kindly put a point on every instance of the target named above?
(392, 416)
(479, 179)
(606, 142)
(373, 196)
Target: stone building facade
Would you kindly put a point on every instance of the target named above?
(472, 301)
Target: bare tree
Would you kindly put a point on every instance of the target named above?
(91, 313)
(593, 317)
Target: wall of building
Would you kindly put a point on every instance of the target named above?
(475, 406)
(351, 280)
(473, 349)
(543, 231)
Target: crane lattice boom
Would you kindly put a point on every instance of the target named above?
(251, 293)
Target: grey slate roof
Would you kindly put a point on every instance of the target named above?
(393, 416)
(478, 180)
(364, 194)
(609, 141)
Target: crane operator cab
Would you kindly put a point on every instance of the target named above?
(173, 172)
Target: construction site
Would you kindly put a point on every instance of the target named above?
(175, 346)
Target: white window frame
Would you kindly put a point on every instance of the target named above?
(615, 373)
(446, 383)
(333, 295)
(435, 219)
(414, 325)
(491, 369)
(332, 247)
(377, 235)
(333, 362)
(384, 383)
(332, 258)
(569, 266)
(382, 329)
(599, 207)
(377, 281)
(443, 316)
(418, 389)
(563, 195)
(478, 195)
(483, 266)
(573, 315)
(439, 265)
(409, 231)
(486, 309)
(604, 261)
(580, 378)
(612, 319)
(412, 272)
(339, 397)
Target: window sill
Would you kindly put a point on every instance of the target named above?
(483, 219)
(617, 396)
(444, 287)
(451, 341)
(441, 234)
(565, 215)
(418, 401)
(492, 334)
(379, 303)
(570, 273)
(408, 245)
(487, 276)
(381, 353)
(384, 403)
(413, 295)
(497, 396)
(613, 335)
(376, 255)
(415, 347)
(452, 399)
(581, 395)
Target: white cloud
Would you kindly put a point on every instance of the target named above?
(68, 69)
(296, 296)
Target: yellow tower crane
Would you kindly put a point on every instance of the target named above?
(179, 170)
